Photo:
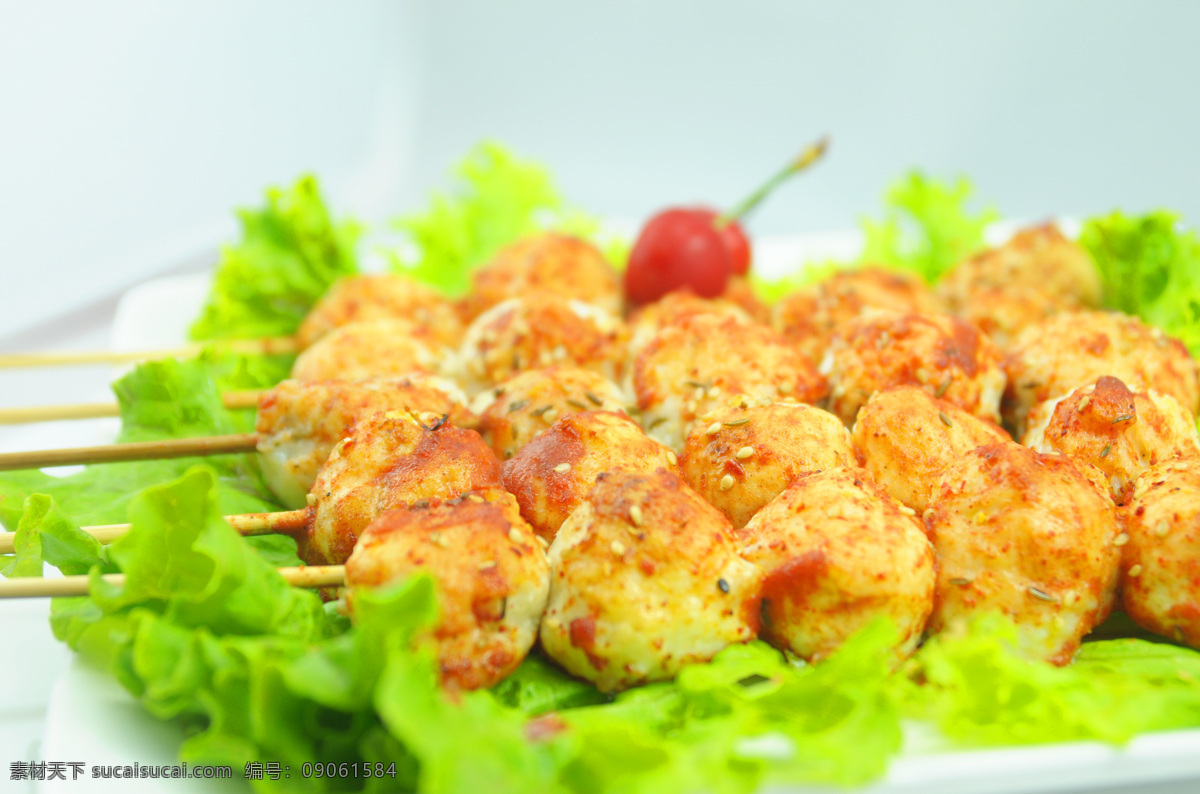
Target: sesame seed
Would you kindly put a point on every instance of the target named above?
(908, 511)
(311, 499)
(635, 515)
(1121, 540)
(713, 429)
(672, 457)
(1041, 595)
(723, 585)
(545, 543)
(714, 391)
(618, 547)
(593, 398)
(726, 482)
(945, 419)
(550, 415)
(1085, 402)
(515, 535)
(1162, 528)
(476, 498)
(1135, 571)
(562, 468)
(923, 375)
(928, 514)
(744, 453)
(736, 422)
(439, 539)
(483, 566)
(698, 394)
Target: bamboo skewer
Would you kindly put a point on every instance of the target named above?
(36, 587)
(52, 413)
(268, 346)
(285, 522)
(116, 453)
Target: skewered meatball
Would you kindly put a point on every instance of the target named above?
(645, 579)
(1030, 536)
(370, 349)
(648, 320)
(1120, 432)
(905, 438)
(299, 423)
(943, 355)
(379, 297)
(492, 580)
(516, 411)
(1071, 349)
(1037, 259)
(1160, 576)
(740, 458)
(552, 474)
(392, 461)
(538, 330)
(701, 362)
(811, 316)
(837, 553)
(564, 266)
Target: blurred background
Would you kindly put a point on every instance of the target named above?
(131, 128)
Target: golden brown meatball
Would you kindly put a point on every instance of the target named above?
(564, 266)
(391, 461)
(515, 412)
(906, 437)
(648, 320)
(552, 474)
(838, 553)
(1073, 348)
(811, 316)
(645, 579)
(1160, 566)
(380, 297)
(1027, 535)
(299, 423)
(1004, 312)
(492, 580)
(741, 458)
(943, 355)
(371, 349)
(1120, 432)
(538, 330)
(702, 362)
(1036, 259)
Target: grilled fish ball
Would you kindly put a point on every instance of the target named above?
(811, 316)
(905, 438)
(1160, 566)
(941, 354)
(1038, 259)
(739, 459)
(1030, 536)
(492, 580)
(380, 297)
(559, 264)
(391, 461)
(1120, 432)
(1073, 348)
(837, 553)
(552, 474)
(670, 309)
(370, 349)
(701, 362)
(1004, 312)
(538, 330)
(516, 411)
(299, 423)
(645, 579)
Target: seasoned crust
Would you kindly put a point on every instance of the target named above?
(491, 575)
(392, 461)
(1160, 565)
(837, 553)
(739, 459)
(371, 349)
(645, 579)
(673, 307)
(378, 297)
(551, 475)
(1119, 431)
(1030, 536)
(904, 438)
(939, 353)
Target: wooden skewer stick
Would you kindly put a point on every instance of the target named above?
(36, 587)
(285, 522)
(116, 453)
(53, 413)
(268, 346)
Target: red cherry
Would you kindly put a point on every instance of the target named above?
(678, 249)
(735, 241)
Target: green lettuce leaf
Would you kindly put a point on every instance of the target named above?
(1150, 267)
(291, 251)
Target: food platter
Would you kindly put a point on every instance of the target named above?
(91, 718)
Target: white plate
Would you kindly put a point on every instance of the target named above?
(92, 719)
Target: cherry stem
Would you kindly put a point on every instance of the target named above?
(810, 155)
